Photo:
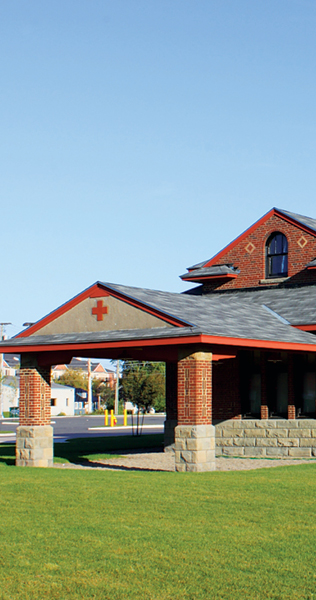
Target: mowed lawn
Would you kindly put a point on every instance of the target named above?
(75, 534)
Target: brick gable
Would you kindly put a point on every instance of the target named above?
(249, 251)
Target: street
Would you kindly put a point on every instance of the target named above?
(85, 426)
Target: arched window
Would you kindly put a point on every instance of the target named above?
(276, 257)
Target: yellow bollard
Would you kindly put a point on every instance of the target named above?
(112, 423)
(106, 417)
(125, 417)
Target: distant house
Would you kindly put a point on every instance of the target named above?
(7, 370)
(62, 397)
(58, 370)
(9, 394)
(11, 365)
(62, 400)
(81, 364)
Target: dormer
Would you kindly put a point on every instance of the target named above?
(279, 249)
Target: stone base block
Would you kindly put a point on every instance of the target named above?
(34, 446)
(195, 448)
(275, 437)
(169, 435)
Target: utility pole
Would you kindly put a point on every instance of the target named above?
(117, 385)
(2, 326)
(89, 387)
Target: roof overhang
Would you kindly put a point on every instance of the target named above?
(306, 327)
(203, 278)
(164, 347)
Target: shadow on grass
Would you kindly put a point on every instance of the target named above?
(85, 451)
(7, 454)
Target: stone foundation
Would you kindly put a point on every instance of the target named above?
(295, 438)
(169, 435)
(195, 448)
(34, 446)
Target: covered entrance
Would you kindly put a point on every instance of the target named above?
(212, 376)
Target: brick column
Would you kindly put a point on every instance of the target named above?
(195, 434)
(34, 436)
(171, 405)
(291, 389)
(264, 400)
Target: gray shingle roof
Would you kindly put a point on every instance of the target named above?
(228, 315)
(213, 271)
(295, 304)
(312, 263)
(252, 315)
(311, 223)
(199, 265)
(102, 336)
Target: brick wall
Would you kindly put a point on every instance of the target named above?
(195, 389)
(249, 255)
(35, 394)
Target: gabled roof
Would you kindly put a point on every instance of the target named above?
(100, 290)
(305, 223)
(236, 314)
(240, 316)
(231, 317)
(82, 364)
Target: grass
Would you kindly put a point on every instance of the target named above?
(109, 535)
(88, 450)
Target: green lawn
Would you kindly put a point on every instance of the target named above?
(70, 534)
(87, 450)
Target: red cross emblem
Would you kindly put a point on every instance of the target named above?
(99, 310)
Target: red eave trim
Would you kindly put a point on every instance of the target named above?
(311, 268)
(306, 327)
(152, 311)
(296, 223)
(217, 357)
(100, 345)
(264, 344)
(196, 339)
(93, 292)
(59, 311)
(212, 277)
(248, 231)
(240, 238)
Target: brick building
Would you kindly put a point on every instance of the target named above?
(239, 348)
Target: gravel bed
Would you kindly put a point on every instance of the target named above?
(164, 461)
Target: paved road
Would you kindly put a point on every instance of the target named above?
(84, 426)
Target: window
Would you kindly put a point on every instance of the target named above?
(276, 257)
(53, 401)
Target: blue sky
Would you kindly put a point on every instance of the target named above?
(139, 137)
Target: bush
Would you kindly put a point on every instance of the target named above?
(159, 404)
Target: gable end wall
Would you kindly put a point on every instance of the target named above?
(252, 266)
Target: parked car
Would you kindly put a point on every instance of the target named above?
(14, 411)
